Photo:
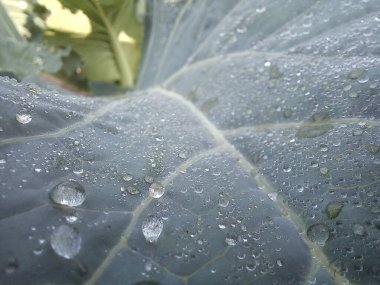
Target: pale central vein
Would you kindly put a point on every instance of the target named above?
(140, 209)
(263, 183)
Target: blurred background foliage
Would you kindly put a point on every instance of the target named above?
(91, 47)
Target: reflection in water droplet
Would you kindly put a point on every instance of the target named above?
(156, 190)
(69, 193)
(318, 233)
(152, 228)
(66, 241)
(23, 118)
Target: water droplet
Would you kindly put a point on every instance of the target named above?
(363, 78)
(182, 155)
(38, 250)
(324, 170)
(261, 9)
(11, 266)
(287, 168)
(127, 177)
(71, 219)
(148, 179)
(333, 209)
(132, 190)
(314, 163)
(223, 202)
(318, 233)
(280, 263)
(355, 73)
(156, 190)
(152, 228)
(273, 196)
(66, 241)
(23, 118)
(357, 132)
(359, 230)
(323, 147)
(69, 193)
(230, 241)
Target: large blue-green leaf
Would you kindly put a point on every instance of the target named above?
(264, 135)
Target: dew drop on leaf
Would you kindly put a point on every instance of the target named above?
(333, 209)
(156, 190)
(66, 241)
(11, 266)
(359, 230)
(132, 190)
(152, 228)
(324, 170)
(127, 177)
(23, 118)
(318, 233)
(69, 193)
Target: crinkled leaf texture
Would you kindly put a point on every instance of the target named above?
(261, 120)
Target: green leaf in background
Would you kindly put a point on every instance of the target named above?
(250, 155)
(19, 56)
(111, 52)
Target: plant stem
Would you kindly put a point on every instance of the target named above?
(126, 75)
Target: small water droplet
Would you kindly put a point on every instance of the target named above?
(273, 196)
(132, 190)
(280, 263)
(152, 228)
(287, 168)
(333, 209)
(156, 190)
(318, 233)
(127, 177)
(323, 147)
(182, 155)
(357, 132)
(223, 202)
(359, 230)
(314, 163)
(23, 118)
(231, 239)
(69, 193)
(148, 179)
(66, 241)
(11, 266)
(324, 170)
(261, 9)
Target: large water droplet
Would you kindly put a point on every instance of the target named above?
(23, 118)
(156, 190)
(65, 241)
(318, 233)
(152, 228)
(69, 193)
